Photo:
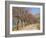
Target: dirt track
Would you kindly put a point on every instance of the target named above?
(30, 27)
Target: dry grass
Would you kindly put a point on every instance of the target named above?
(28, 27)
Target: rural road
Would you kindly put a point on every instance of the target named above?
(30, 27)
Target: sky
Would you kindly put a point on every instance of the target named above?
(34, 10)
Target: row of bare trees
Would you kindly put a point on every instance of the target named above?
(23, 16)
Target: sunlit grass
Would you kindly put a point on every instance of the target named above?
(26, 27)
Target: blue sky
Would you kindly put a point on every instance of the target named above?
(34, 10)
